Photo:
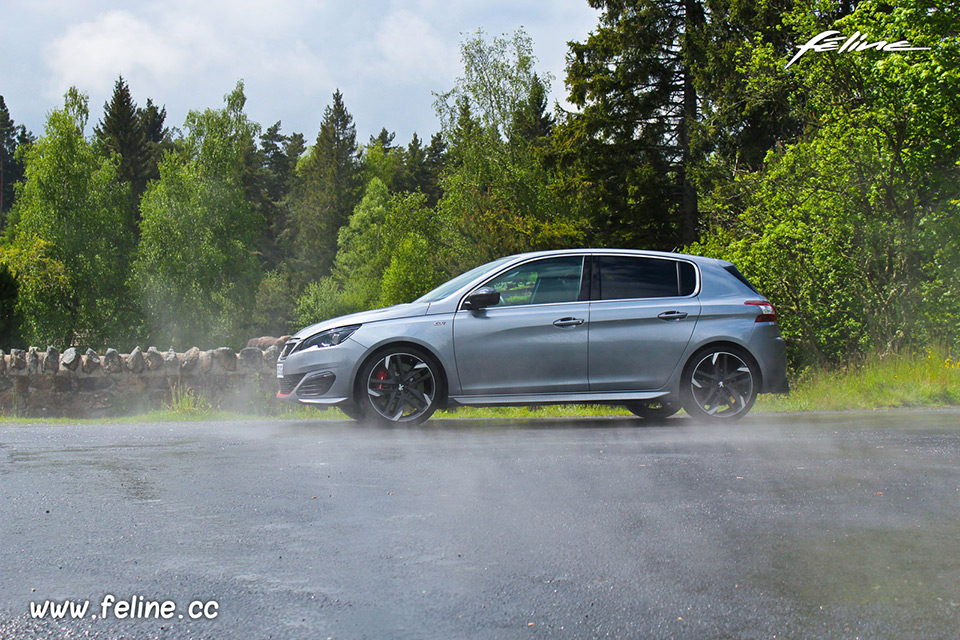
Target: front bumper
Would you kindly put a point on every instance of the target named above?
(320, 376)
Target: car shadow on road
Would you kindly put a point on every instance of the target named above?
(545, 423)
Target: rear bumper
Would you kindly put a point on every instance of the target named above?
(771, 353)
(777, 386)
(773, 366)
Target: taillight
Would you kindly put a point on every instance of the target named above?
(767, 312)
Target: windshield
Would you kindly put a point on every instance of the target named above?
(452, 285)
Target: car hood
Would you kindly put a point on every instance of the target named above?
(409, 310)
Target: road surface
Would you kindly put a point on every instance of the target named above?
(783, 526)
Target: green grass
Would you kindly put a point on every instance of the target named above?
(185, 401)
(917, 380)
(476, 413)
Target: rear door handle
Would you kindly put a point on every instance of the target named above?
(568, 322)
(672, 315)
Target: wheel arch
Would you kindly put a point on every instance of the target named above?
(724, 343)
(375, 351)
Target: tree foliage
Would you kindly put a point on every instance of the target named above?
(629, 145)
(414, 233)
(420, 167)
(387, 256)
(197, 265)
(354, 282)
(498, 191)
(69, 253)
(833, 184)
(12, 136)
(272, 177)
(138, 137)
(120, 132)
(327, 189)
(853, 229)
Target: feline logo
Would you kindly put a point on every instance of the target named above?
(830, 40)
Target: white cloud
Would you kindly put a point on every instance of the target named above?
(91, 55)
(410, 50)
(188, 57)
(386, 55)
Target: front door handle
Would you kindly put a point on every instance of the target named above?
(672, 315)
(568, 322)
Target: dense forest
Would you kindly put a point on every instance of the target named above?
(833, 183)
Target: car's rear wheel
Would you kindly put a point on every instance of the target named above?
(719, 383)
(399, 385)
(658, 409)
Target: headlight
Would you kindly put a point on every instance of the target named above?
(328, 338)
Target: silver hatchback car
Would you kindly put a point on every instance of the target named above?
(648, 330)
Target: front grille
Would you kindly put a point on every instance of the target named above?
(289, 383)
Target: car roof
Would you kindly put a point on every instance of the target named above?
(649, 253)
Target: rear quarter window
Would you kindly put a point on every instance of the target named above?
(732, 270)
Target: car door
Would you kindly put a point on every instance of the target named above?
(641, 319)
(535, 339)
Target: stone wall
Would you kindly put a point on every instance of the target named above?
(91, 384)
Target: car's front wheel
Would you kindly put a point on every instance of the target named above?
(350, 410)
(399, 385)
(719, 383)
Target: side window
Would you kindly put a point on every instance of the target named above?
(625, 277)
(540, 282)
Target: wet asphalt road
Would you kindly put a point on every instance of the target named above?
(823, 526)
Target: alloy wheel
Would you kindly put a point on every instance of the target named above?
(401, 388)
(721, 385)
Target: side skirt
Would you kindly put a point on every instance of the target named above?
(608, 397)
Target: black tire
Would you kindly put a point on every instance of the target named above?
(658, 409)
(399, 385)
(719, 383)
(350, 410)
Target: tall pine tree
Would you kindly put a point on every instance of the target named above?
(633, 81)
(138, 137)
(157, 140)
(420, 168)
(747, 108)
(120, 131)
(279, 155)
(328, 188)
(12, 136)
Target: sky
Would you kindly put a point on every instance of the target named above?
(387, 57)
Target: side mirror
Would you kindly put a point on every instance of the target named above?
(481, 299)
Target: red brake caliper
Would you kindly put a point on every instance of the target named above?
(381, 375)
